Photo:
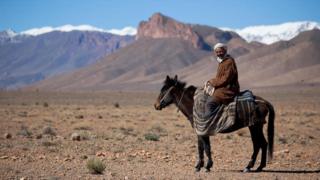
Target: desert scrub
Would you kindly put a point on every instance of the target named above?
(24, 131)
(151, 137)
(96, 166)
(48, 130)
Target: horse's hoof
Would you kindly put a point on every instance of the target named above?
(246, 170)
(259, 169)
(197, 170)
(207, 170)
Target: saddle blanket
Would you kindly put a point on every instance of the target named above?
(210, 118)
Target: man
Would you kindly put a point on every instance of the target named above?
(225, 86)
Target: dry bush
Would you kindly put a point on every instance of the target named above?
(49, 131)
(151, 137)
(24, 131)
(96, 166)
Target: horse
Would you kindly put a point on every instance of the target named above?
(175, 92)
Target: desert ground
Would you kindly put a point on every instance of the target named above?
(115, 127)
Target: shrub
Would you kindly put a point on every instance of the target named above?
(49, 131)
(96, 166)
(24, 131)
(151, 137)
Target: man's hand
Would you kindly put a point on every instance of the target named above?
(208, 88)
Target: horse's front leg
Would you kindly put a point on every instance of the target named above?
(207, 148)
(200, 162)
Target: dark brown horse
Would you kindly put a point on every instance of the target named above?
(174, 91)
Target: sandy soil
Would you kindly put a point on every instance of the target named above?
(117, 136)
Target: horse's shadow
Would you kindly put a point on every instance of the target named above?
(284, 171)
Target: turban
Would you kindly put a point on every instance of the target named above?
(220, 45)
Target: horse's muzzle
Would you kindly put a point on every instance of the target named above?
(157, 106)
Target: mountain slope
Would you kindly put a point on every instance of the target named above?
(37, 57)
(129, 66)
(143, 64)
(294, 62)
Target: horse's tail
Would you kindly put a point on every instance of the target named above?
(270, 129)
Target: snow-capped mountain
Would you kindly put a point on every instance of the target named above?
(68, 28)
(269, 34)
(8, 33)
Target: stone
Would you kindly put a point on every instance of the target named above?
(75, 137)
(7, 136)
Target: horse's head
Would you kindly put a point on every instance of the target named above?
(167, 92)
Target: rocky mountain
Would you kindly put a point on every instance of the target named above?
(143, 64)
(28, 59)
(160, 26)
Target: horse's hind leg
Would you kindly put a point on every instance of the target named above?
(256, 146)
(263, 144)
(207, 148)
(200, 162)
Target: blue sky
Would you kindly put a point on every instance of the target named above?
(21, 15)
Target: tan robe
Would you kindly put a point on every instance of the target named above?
(226, 81)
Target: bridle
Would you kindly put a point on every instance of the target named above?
(164, 98)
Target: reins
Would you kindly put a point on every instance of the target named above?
(180, 99)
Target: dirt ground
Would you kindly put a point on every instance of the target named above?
(114, 127)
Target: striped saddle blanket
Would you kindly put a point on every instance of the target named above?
(210, 118)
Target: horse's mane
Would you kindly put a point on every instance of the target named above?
(180, 85)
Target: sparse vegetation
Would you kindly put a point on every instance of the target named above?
(48, 143)
(96, 166)
(157, 129)
(48, 131)
(151, 137)
(85, 128)
(24, 131)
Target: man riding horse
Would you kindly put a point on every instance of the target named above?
(225, 86)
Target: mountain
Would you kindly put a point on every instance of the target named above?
(128, 68)
(269, 34)
(143, 64)
(160, 26)
(294, 62)
(68, 28)
(27, 59)
(163, 46)
(10, 36)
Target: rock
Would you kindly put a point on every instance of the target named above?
(75, 137)
(7, 136)
(39, 136)
(42, 157)
(84, 157)
(160, 26)
(67, 159)
(4, 157)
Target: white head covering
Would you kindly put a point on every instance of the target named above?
(220, 45)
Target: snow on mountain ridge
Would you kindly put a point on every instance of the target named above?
(68, 28)
(269, 34)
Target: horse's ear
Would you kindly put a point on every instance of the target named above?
(167, 78)
(176, 78)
